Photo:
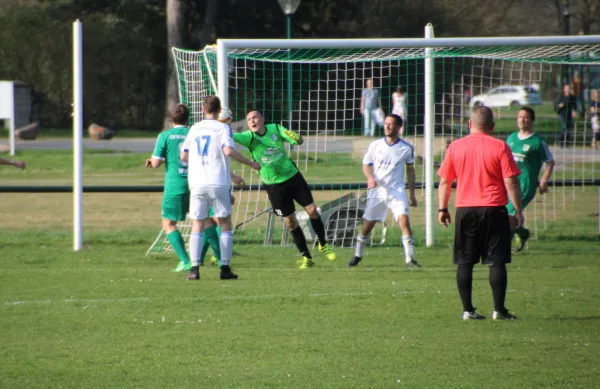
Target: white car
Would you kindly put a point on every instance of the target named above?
(508, 96)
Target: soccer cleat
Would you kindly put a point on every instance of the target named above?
(227, 274)
(412, 263)
(354, 261)
(503, 316)
(472, 315)
(215, 262)
(305, 263)
(328, 251)
(194, 274)
(521, 238)
(181, 266)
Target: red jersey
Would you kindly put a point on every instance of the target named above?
(479, 163)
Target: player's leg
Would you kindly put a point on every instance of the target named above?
(522, 234)
(298, 188)
(372, 123)
(174, 209)
(399, 207)
(467, 252)
(376, 210)
(210, 238)
(361, 241)
(222, 209)
(282, 202)
(496, 253)
(199, 214)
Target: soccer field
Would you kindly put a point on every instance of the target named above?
(111, 317)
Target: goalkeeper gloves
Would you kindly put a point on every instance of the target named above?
(292, 135)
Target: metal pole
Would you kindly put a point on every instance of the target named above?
(289, 75)
(77, 136)
(566, 31)
(429, 138)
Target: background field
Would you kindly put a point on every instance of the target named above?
(110, 316)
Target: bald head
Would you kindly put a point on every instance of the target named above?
(482, 119)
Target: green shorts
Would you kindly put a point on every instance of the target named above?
(528, 196)
(175, 207)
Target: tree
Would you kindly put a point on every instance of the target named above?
(176, 37)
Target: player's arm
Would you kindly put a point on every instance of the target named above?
(411, 176)
(543, 185)
(510, 173)
(158, 155)
(368, 172)
(235, 155)
(238, 180)
(8, 162)
(290, 136)
(447, 176)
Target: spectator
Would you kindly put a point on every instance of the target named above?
(369, 103)
(399, 107)
(565, 107)
(595, 118)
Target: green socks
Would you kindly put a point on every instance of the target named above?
(211, 238)
(176, 241)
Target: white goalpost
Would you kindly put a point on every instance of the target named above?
(328, 77)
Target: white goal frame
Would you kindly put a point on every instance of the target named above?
(428, 44)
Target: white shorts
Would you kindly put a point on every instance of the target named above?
(379, 200)
(202, 199)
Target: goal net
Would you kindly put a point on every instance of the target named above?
(315, 87)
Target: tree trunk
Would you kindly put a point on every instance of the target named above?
(209, 23)
(176, 37)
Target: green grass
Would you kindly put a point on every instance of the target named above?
(110, 317)
(53, 133)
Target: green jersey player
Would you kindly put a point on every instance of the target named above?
(530, 153)
(176, 194)
(283, 181)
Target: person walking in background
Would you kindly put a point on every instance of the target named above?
(369, 103)
(565, 106)
(484, 170)
(399, 106)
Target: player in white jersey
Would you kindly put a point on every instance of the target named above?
(207, 149)
(383, 166)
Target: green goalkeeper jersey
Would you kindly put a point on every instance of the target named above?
(269, 151)
(530, 154)
(168, 146)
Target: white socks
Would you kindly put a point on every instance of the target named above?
(226, 247)
(360, 245)
(195, 248)
(409, 248)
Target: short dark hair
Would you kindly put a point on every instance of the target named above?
(179, 114)
(482, 117)
(400, 89)
(530, 111)
(212, 104)
(257, 111)
(396, 118)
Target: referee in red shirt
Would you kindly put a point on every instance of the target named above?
(485, 170)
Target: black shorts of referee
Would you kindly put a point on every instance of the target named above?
(482, 234)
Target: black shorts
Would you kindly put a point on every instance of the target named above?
(482, 233)
(282, 195)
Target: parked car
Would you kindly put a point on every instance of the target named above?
(508, 96)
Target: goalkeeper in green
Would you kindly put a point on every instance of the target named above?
(283, 181)
(530, 153)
